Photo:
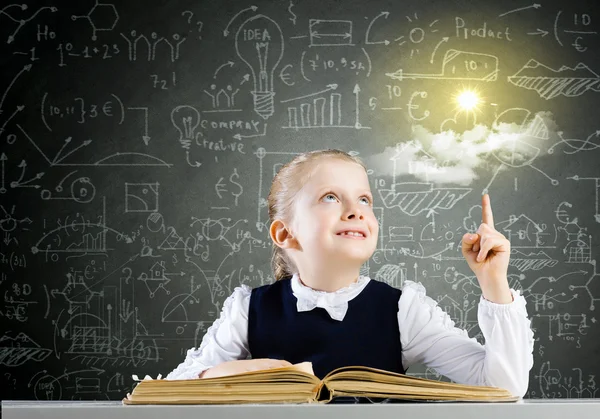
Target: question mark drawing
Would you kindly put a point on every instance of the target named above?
(200, 25)
(14, 380)
(189, 21)
(191, 14)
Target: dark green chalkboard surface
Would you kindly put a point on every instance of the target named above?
(138, 140)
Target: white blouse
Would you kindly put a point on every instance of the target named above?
(427, 335)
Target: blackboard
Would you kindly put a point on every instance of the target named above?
(139, 138)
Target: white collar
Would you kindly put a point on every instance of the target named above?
(335, 302)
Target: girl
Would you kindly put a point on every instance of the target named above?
(320, 309)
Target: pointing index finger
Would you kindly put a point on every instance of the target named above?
(486, 211)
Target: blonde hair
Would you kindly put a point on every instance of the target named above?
(287, 183)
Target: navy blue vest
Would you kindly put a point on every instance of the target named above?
(367, 336)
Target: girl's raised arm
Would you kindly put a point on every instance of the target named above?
(428, 336)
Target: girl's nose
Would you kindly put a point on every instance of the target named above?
(354, 213)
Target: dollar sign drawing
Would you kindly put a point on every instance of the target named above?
(235, 183)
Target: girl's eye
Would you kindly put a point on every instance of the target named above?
(329, 194)
(367, 199)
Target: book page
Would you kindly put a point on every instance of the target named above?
(371, 380)
(292, 384)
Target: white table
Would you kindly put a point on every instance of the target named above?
(528, 408)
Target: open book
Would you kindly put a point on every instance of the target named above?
(298, 384)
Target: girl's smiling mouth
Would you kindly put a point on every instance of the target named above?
(352, 235)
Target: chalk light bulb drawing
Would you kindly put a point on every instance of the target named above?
(259, 43)
(185, 119)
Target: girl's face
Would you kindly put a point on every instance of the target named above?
(336, 198)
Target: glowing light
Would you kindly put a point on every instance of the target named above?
(467, 100)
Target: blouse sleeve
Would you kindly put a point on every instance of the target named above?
(428, 336)
(225, 340)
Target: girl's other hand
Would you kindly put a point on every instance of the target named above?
(243, 365)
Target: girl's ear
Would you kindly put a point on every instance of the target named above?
(281, 236)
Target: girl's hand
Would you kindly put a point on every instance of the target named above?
(487, 252)
(243, 365)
